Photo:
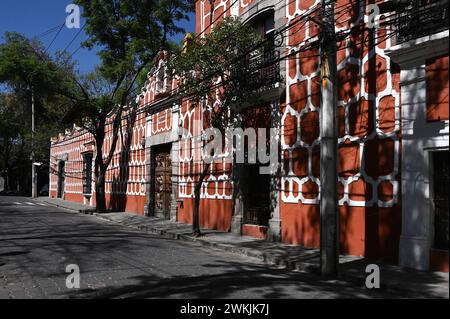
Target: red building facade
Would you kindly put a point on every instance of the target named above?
(393, 125)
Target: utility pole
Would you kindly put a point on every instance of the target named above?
(329, 212)
(33, 167)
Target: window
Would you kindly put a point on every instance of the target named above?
(440, 200)
(264, 24)
(87, 173)
(264, 59)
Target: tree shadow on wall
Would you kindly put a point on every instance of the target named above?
(119, 186)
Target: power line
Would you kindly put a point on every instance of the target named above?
(305, 15)
(74, 52)
(213, 21)
(258, 45)
(73, 39)
(45, 33)
(280, 31)
(56, 35)
(289, 56)
(286, 57)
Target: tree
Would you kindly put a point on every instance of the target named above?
(129, 33)
(25, 67)
(9, 132)
(25, 64)
(218, 69)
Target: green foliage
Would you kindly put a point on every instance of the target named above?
(214, 67)
(142, 76)
(10, 117)
(24, 65)
(130, 33)
(15, 131)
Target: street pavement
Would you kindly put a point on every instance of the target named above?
(38, 241)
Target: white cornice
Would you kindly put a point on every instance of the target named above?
(415, 52)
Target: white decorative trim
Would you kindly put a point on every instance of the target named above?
(410, 53)
(293, 182)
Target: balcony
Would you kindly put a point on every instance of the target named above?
(260, 74)
(419, 18)
(265, 70)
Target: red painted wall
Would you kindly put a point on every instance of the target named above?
(371, 232)
(77, 198)
(126, 203)
(369, 148)
(437, 88)
(214, 214)
(254, 231)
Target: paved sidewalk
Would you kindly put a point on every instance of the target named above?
(430, 284)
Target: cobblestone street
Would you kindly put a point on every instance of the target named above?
(38, 241)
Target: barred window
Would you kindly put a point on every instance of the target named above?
(87, 173)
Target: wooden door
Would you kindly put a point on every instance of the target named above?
(256, 196)
(163, 184)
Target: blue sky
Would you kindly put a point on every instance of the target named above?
(31, 18)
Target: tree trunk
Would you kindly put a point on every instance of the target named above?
(100, 192)
(196, 211)
(5, 181)
(100, 170)
(7, 168)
